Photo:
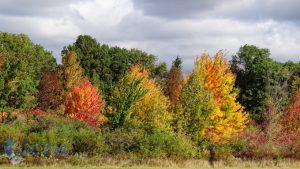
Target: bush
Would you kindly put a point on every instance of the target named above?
(50, 135)
(142, 144)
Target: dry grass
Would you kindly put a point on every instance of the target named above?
(101, 163)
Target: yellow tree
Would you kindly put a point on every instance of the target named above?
(71, 70)
(209, 101)
(152, 109)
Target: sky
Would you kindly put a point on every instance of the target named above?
(164, 28)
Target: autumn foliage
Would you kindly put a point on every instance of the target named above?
(50, 91)
(291, 121)
(71, 70)
(152, 109)
(84, 104)
(209, 100)
(174, 84)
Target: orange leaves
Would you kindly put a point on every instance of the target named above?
(228, 116)
(292, 119)
(3, 116)
(209, 96)
(174, 84)
(83, 103)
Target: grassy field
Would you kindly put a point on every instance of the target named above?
(218, 166)
(141, 167)
(160, 164)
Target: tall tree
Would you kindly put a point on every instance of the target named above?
(22, 64)
(105, 65)
(83, 103)
(50, 91)
(252, 68)
(122, 101)
(174, 81)
(261, 81)
(209, 101)
(291, 119)
(71, 70)
(152, 110)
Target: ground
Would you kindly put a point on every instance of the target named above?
(72, 167)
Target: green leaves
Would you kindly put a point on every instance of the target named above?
(22, 65)
(126, 93)
(108, 64)
(260, 79)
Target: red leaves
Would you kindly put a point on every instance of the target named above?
(37, 112)
(83, 103)
(50, 91)
(292, 118)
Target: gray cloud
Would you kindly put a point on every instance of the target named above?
(174, 8)
(164, 28)
(35, 8)
(239, 9)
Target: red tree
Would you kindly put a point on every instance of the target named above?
(84, 103)
(292, 119)
(50, 91)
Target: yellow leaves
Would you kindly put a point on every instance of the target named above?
(3, 115)
(151, 110)
(212, 77)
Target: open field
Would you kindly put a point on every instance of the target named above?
(164, 164)
(72, 167)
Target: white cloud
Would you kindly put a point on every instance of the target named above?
(185, 30)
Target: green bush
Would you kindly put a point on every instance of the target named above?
(142, 144)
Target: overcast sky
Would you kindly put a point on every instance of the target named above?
(165, 28)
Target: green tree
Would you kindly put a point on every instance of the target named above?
(22, 64)
(105, 65)
(160, 72)
(252, 67)
(294, 81)
(262, 81)
(124, 96)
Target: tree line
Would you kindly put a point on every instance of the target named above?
(106, 100)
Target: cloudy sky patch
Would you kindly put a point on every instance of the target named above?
(165, 28)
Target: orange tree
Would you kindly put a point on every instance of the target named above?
(83, 103)
(211, 111)
(291, 120)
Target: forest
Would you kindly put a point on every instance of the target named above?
(112, 102)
